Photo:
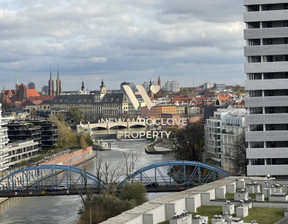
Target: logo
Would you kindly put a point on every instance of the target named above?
(153, 88)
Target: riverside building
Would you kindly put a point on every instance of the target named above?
(222, 131)
(266, 66)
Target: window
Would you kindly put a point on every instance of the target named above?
(269, 24)
(270, 75)
(285, 23)
(269, 41)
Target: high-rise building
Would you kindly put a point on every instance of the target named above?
(50, 85)
(171, 86)
(266, 66)
(3, 144)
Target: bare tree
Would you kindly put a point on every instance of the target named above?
(130, 160)
(237, 155)
(111, 175)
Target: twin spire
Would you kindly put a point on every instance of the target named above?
(51, 91)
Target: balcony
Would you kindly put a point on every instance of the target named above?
(280, 118)
(263, 170)
(271, 15)
(266, 67)
(269, 101)
(265, 33)
(255, 153)
(261, 136)
(267, 84)
(279, 49)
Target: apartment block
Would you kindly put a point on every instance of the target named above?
(266, 66)
(221, 134)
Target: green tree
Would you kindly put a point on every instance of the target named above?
(189, 142)
(74, 116)
(133, 192)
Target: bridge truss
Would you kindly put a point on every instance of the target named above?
(177, 175)
(43, 179)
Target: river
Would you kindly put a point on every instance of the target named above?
(64, 209)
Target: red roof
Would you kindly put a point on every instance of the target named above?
(32, 92)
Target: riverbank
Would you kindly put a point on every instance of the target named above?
(159, 147)
(70, 159)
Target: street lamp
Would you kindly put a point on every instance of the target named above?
(269, 178)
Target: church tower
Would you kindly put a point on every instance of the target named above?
(102, 90)
(58, 84)
(159, 81)
(50, 85)
(150, 93)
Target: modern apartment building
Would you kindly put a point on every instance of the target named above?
(266, 66)
(3, 143)
(221, 134)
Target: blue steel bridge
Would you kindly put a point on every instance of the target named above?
(47, 180)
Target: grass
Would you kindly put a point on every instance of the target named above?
(261, 215)
(231, 196)
(265, 215)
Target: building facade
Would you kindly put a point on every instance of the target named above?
(221, 134)
(266, 66)
(171, 86)
(3, 143)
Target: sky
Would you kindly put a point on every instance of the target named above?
(190, 41)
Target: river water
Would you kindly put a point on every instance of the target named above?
(64, 209)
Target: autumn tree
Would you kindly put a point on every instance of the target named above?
(189, 141)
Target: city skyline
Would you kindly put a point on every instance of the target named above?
(122, 41)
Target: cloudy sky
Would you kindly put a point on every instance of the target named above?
(192, 41)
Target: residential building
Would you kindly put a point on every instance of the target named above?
(17, 151)
(181, 110)
(23, 131)
(49, 133)
(193, 110)
(221, 133)
(3, 143)
(266, 66)
(171, 86)
(165, 109)
(20, 151)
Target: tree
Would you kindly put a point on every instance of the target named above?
(74, 116)
(189, 142)
(83, 142)
(237, 156)
(133, 191)
(130, 160)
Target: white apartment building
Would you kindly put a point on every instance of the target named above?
(266, 66)
(221, 133)
(3, 143)
(171, 86)
(11, 154)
